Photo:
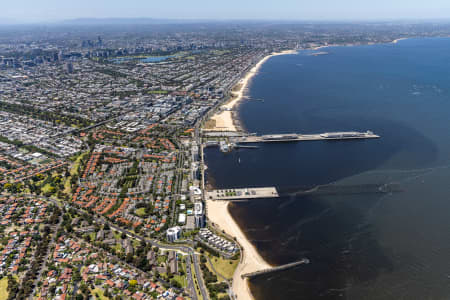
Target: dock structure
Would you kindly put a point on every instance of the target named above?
(294, 137)
(276, 269)
(243, 193)
(245, 146)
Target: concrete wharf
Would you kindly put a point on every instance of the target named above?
(294, 137)
(243, 193)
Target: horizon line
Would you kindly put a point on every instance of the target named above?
(166, 21)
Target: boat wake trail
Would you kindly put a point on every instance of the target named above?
(388, 181)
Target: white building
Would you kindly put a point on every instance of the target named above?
(198, 214)
(182, 218)
(195, 190)
(173, 233)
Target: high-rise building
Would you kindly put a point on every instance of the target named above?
(173, 233)
(69, 68)
(199, 215)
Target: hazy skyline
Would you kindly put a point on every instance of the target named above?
(27, 11)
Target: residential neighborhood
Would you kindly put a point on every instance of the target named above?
(103, 181)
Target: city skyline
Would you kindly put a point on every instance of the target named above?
(54, 11)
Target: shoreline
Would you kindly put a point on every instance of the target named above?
(225, 119)
(398, 40)
(251, 260)
(217, 211)
(226, 206)
(352, 45)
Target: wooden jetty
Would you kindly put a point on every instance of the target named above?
(275, 269)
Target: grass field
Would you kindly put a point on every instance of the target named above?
(99, 292)
(180, 279)
(4, 288)
(117, 235)
(224, 267)
(157, 92)
(46, 188)
(74, 169)
(67, 186)
(140, 212)
(161, 259)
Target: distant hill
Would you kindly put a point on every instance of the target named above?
(8, 21)
(129, 21)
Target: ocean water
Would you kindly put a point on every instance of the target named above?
(361, 244)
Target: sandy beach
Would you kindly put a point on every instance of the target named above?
(398, 40)
(251, 260)
(217, 211)
(224, 118)
(321, 47)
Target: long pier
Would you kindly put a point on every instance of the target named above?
(245, 146)
(276, 269)
(294, 137)
(243, 193)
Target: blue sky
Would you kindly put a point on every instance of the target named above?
(52, 10)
